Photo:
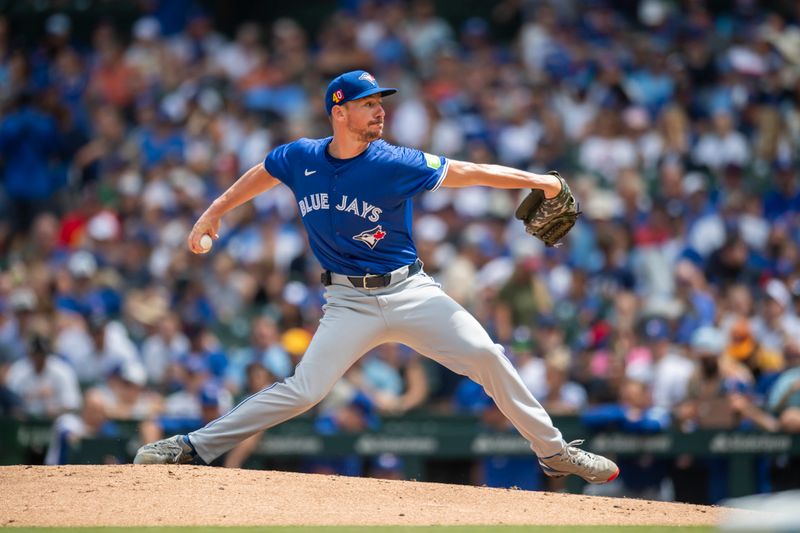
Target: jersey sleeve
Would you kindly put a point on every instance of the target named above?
(277, 163)
(418, 171)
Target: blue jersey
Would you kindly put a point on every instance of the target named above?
(357, 212)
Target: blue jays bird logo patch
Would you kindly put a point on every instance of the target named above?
(371, 236)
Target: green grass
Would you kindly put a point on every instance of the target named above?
(367, 529)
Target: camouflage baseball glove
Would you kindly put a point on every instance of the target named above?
(549, 220)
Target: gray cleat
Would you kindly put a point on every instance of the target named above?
(572, 460)
(172, 451)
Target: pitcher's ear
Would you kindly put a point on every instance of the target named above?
(337, 112)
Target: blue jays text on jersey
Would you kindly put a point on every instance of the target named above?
(320, 201)
(358, 211)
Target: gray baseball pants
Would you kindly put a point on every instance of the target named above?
(415, 312)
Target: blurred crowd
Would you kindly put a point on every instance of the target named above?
(673, 303)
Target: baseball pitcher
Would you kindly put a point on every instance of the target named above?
(354, 193)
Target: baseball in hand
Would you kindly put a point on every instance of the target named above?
(206, 243)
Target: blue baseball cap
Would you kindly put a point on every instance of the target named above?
(352, 86)
(210, 395)
(656, 329)
(194, 363)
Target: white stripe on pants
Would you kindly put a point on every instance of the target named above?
(415, 312)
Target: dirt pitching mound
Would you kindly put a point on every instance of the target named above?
(155, 495)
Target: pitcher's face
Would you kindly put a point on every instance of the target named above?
(364, 117)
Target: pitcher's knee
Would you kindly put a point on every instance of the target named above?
(481, 356)
(308, 398)
(306, 390)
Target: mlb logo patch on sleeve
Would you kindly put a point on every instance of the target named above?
(432, 161)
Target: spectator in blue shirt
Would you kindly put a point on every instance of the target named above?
(29, 140)
(641, 475)
(634, 413)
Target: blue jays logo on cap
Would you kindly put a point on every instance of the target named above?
(368, 77)
(352, 86)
